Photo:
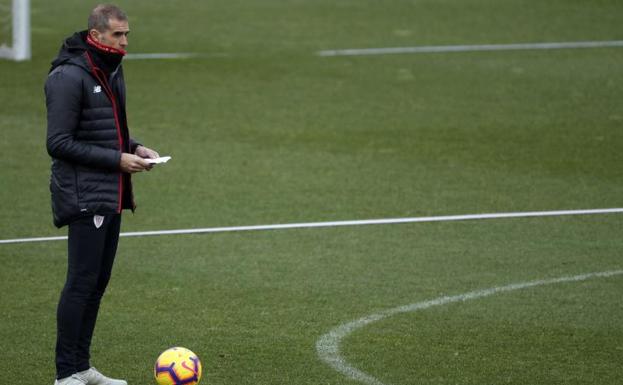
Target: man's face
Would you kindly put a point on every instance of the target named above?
(115, 36)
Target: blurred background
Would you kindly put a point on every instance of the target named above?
(262, 129)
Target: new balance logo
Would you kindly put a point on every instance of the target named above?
(97, 89)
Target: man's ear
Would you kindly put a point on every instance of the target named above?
(95, 34)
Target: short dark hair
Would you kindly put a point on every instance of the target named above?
(101, 14)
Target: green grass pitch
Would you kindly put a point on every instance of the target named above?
(262, 130)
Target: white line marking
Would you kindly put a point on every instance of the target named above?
(388, 221)
(470, 48)
(147, 56)
(328, 346)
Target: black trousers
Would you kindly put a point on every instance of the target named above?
(91, 252)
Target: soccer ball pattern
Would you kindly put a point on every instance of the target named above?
(177, 366)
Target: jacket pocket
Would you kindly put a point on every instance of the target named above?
(96, 187)
(64, 192)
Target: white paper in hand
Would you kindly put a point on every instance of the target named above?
(162, 159)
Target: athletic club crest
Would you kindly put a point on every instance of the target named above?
(98, 220)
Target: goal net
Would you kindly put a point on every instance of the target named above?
(15, 29)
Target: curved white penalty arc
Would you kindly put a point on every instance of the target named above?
(328, 346)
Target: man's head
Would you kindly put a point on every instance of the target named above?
(108, 24)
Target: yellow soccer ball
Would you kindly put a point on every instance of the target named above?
(177, 366)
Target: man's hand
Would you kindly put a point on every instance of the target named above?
(145, 152)
(131, 163)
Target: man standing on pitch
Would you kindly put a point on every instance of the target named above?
(93, 158)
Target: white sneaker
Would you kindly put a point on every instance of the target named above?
(93, 377)
(74, 379)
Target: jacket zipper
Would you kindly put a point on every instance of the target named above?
(100, 76)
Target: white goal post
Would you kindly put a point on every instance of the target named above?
(19, 47)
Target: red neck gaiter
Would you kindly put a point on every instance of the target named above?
(105, 57)
(104, 48)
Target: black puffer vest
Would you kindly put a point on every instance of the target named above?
(86, 134)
